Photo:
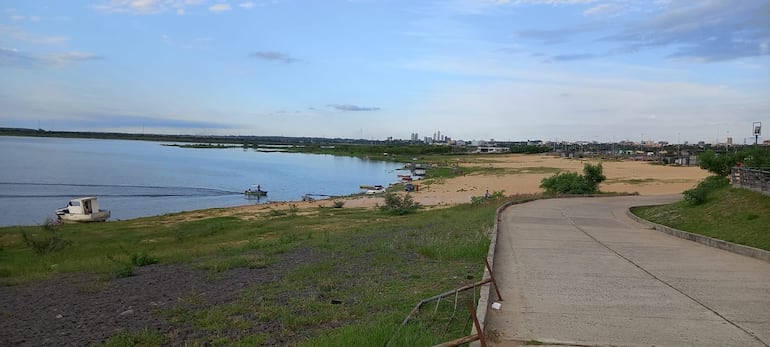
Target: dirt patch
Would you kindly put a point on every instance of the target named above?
(82, 310)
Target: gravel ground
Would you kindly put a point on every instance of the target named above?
(82, 310)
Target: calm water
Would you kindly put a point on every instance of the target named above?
(139, 178)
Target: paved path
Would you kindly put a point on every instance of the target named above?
(580, 272)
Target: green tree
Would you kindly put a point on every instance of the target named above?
(721, 164)
(718, 164)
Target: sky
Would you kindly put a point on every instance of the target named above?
(508, 70)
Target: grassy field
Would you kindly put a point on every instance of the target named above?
(735, 215)
(363, 271)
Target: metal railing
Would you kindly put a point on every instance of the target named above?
(756, 179)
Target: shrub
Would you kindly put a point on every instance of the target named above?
(143, 259)
(338, 203)
(566, 183)
(122, 269)
(703, 190)
(594, 173)
(574, 183)
(277, 213)
(49, 242)
(398, 205)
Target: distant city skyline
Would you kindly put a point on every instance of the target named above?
(510, 70)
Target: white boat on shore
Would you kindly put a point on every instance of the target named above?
(83, 210)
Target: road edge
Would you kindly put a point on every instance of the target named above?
(705, 240)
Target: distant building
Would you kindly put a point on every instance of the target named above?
(492, 149)
(729, 141)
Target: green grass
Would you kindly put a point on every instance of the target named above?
(143, 338)
(368, 272)
(735, 215)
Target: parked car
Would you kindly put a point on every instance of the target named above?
(375, 191)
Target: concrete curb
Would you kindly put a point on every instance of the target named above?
(708, 241)
(484, 303)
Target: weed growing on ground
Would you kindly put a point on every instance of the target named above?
(143, 259)
(49, 242)
(700, 194)
(143, 338)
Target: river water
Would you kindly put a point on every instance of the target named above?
(141, 178)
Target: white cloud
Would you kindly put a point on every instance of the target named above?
(247, 4)
(147, 6)
(18, 34)
(13, 57)
(219, 7)
(67, 58)
(602, 9)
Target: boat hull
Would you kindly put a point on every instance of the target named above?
(100, 216)
(256, 193)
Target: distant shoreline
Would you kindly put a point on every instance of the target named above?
(211, 139)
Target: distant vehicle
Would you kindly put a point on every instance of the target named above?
(82, 210)
(380, 190)
(377, 186)
(409, 187)
(255, 190)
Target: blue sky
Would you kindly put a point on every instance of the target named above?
(570, 70)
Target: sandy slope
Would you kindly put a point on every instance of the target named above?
(622, 176)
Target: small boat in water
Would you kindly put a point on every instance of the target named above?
(82, 210)
(255, 190)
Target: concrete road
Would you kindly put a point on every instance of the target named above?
(580, 272)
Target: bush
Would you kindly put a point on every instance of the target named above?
(574, 183)
(398, 205)
(143, 259)
(338, 204)
(49, 242)
(594, 173)
(124, 271)
(277, 213)
(700, 194)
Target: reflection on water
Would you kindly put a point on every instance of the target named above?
(137, 178)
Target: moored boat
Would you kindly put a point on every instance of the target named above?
(82, 210)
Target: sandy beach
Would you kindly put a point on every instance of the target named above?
(521, 174)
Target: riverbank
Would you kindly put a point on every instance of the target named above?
(521, 174)
(253, 275)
